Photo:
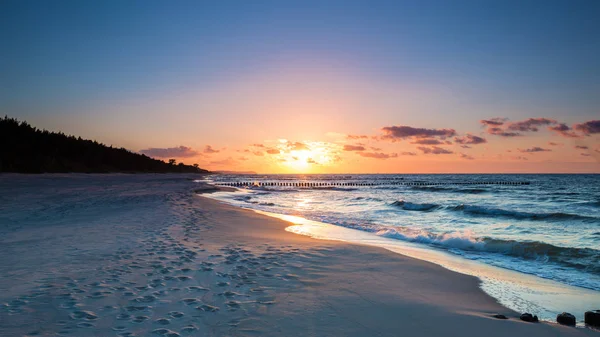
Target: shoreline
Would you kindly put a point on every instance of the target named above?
(444, 294)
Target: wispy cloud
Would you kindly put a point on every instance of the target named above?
(534, 149)
(427, 141)
(564, 130)
(170, 152)
(357, 137)
(401, 132)
(496, 121)
(378, 155)
(354, 148)
(434, 150)
(503, 128)
(470, 139)
(530, 124)
(209, 150)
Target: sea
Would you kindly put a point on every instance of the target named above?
(533, 239)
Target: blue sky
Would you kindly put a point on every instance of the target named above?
(88, 61)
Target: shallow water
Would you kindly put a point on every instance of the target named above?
(549, 229)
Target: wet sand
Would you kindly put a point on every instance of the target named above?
(320, 287)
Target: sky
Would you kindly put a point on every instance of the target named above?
(314, 86)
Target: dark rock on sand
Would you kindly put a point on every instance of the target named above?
(527, 317)
(592, 318)
(566, 319)
(500, 316)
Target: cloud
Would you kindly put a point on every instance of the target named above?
(501, 127)
(357, 136)
(563, 130)
(375, 148)
(353, 148)
(534, 149)
(434, 150)
(258, 153)
(500, 132)
(257, 145)
(589, 127)
(273, 151)
(400, 132)
(470, 139)
(242, 158)
(209, 149)
(585, 154)
(170, 152)
(466, 156)
(297, 146)
(311, 161)
(497, 121)
(408, 153)
(520, 158)
(378, 155)
(581, 147)
(530, 124)
(554, 144)
(427, 141)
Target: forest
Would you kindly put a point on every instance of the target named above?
(27, 149)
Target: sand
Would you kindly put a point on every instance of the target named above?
(320, 287)
(181, 264)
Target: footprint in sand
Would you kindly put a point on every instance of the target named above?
(208, 308)
(163, 321)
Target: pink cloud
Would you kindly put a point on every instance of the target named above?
(378, 155)
(470, 139)
(434, 150)
(354, 148)
(589, 127)
(400, 132)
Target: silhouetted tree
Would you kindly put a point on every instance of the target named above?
(26, 149)
(172, 161)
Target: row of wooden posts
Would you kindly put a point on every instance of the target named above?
(332, 183)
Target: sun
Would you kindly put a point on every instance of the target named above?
(300, 160)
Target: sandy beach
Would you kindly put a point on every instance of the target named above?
(153, 256)
(322, 287)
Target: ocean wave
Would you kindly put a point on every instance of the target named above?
(586, 259)
(409, 206)
(590, 203)
(498, 212)
(449, 190)
(330, 188)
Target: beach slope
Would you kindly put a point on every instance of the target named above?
(318, 287)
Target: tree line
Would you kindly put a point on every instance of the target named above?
(26, 149)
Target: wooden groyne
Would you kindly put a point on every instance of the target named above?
(359, 183)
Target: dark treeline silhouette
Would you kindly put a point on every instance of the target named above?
(26, 149)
